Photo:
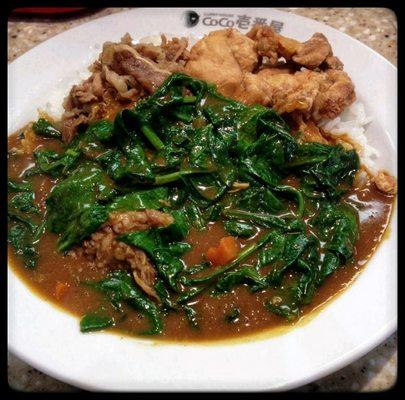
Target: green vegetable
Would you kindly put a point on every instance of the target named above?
(180, 227)
(241, 229)
(234, 278)
(14, 186)
(233, 316)
(23, 231)
(20, 237)
(54, 164)
(164, 255)
(328, 171)
(287, 311)
(44, 128)
(95, 322)
(119, 286)
(185, 150)
(101, 130)
(143, 199)
(338, 227)
(74, 205)
(191, 315)
(24, 202)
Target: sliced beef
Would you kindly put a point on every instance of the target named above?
(105, 251)
(123, 74)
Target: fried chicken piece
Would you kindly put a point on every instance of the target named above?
(385, 182)
(222, 57)
(292, 92)
(253, 90)
(336, 92)
(228, 59)
(105, 251)
(267, 42)
(332, 62)
(313, 52)
(314, 94)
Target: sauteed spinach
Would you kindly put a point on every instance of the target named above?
(191, 152)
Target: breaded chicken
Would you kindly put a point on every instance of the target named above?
(235, 63)
(314, 94)
(223, 57)
(310, 54)
(313, 52)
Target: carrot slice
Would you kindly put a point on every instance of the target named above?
(226, 251)
(61, 289)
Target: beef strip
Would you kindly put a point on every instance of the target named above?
(105, 251)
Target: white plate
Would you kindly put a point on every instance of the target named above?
(351, 325)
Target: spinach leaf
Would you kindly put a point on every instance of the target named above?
(327, 170)
(156, 199)
(194, 216)
(273, 250)
(44, 128)
(288, 311)
(54, 164)
(244, 274)
(233, 316)
(191, 315)
(164, 255)
(337, 225)
(14, 186)
(294, 246)
(83, 226)
(73, 206)
(94, 322)
(257, 199)
(241, 229)
(119, 286)
(212, 213)
(101, 130)
(180, 227)
(23, 231)
(20, 236)
(24, 202)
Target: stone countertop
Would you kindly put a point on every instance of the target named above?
(375, 27)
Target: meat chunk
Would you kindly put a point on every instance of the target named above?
(122, 222)
(336, 92)
(267, 42)
(105, 251)
(314, 94)
(127, 61)
(313, 52)
(292, 92)
(123, 74)
(385, 182)
(222, 57)
(332, 62)
(231, 61)
(253, 90)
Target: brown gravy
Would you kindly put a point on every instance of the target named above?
(374, 213)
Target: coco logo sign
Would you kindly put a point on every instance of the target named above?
(243, 22)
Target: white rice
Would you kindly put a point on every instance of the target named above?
(352, 123)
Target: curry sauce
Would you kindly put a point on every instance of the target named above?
(58, 278)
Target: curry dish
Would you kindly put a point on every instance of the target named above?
(192, 193)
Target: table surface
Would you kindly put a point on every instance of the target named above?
(375, 27)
